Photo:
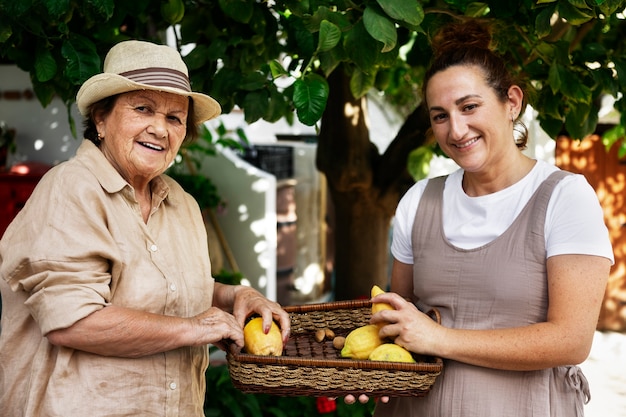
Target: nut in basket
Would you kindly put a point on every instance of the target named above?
(312, 366)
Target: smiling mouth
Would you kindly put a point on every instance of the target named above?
(151, 146)
(466, 144)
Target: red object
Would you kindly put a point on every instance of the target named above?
(325, 405)
(16, 186)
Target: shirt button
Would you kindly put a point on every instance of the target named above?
(173, 385)
(173, 287)
(153, 248)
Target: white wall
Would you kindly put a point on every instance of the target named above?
(249, 220)
(43, 134)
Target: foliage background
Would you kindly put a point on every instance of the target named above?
(319, 60)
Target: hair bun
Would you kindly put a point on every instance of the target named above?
(461, 35)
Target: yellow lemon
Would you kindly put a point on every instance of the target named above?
(376, 307)
(391, 352)
(256, 342)
(361, 341)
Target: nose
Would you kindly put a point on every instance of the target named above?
(158, 126)
(458, 127)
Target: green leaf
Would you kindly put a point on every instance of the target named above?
(57, 8)
(543, 26)
(330, 35)
(580, 121)
(277, 69)
(82, 59)
(173, 11)
(304, 38)
(298, 7)
(604, 78)
(573, 15)
(554, 79)
(361, 82)
(277, 106)
(70, 120)
(17, 8)
(611, 136)
(608, 7)
(620, 68)
(310, 96)
(419, 162)
(44, 92)
(361, 48)
(477, 9)
(238, 10)
(45, 65)
(593, 52)
(197, 58)
(380, 28)
(255, 105)
(551, 126)
(253, 81)
(5, 32)
(409, 11)
(574, 87)
(549, 104)
(103, 7)
(331, 60)
(580, 4)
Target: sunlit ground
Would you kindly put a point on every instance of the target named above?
(605, 370)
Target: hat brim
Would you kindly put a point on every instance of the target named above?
(105, 85)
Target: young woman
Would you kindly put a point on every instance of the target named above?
(512, 251)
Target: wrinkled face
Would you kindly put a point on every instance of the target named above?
(470, 124)
(143, 133)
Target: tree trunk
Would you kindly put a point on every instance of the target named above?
(364, 186)
(361, 242)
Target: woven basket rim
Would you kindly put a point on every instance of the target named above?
(435, 366)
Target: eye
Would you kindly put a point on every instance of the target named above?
(439, 117)
(142, 109)
(175, 119)
(470, 107)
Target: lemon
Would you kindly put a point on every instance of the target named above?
(391, 352)
(256, 342)
(376, 307)
(361, 341)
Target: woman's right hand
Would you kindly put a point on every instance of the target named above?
(215, 326)
(406, 325)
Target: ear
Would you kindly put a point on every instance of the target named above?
(98, 121)
(516, 98)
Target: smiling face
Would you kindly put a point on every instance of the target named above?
(471, 125)
(143, 133)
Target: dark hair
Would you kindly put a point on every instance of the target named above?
(469, 42)
(104, 108)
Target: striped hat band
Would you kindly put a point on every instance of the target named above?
(159, 77)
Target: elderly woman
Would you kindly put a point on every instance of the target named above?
(109, 303)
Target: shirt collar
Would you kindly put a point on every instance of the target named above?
(108, 177)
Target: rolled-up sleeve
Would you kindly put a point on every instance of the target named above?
(56, 254)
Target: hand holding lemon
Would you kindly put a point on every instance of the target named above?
(257, 342)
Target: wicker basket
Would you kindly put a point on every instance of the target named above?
(311, 368)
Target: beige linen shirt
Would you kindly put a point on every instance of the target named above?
(78, 245)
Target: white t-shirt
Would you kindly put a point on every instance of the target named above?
(574, 218)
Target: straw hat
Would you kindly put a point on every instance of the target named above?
(138, 65)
